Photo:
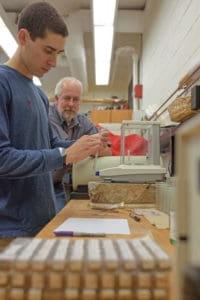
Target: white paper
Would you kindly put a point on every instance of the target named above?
(95, 225)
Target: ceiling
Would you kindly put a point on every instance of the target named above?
(78, 59)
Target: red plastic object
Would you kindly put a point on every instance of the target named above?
(138, 90)
(134, 144)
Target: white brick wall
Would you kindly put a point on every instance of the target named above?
(171, 46)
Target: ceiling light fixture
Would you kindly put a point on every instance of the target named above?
(7, 41)
(9, 44)
(103, 21)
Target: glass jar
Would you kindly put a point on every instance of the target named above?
(172, 218)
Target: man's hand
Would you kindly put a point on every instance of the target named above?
(105, 149)
(85, 146)
(104, 136)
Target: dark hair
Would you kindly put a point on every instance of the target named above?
(40, 17)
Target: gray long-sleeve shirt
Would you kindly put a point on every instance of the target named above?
(78, 127)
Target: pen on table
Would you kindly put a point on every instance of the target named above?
(79, 234)
(135, 217)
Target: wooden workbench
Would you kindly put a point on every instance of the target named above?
(81, 208)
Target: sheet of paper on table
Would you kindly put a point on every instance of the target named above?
(94, 225)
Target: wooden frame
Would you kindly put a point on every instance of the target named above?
(188, 196)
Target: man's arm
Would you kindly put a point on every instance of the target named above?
(85, 146)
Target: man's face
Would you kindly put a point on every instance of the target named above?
(40, 55)
(68, 102)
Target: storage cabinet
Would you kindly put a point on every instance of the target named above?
(117, 116)
(111, 116)
(100, 116)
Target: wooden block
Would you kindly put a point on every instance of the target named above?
(143, 294)
(106, 269)
(24, 258)
(34, 294)
(73, 280)
(161, 257)
(22, 265)
(90, 281)
(107, 294)
(144, 280)
(111, 259)
(49, 294)
(57, 265)
(126, 294)
(18, 279)
(94, 260)
(146, 259)
(107, 280)
(5, 264)
(37, 280)
(55, 280)
(3, 278)
(3, 294)
(127, 257)
(39, 259)
(160, 294)
(89, 294)
(125, 280)
(161, 279)
(16, 294)
(72, 294)
(59, 258)
(77, 256)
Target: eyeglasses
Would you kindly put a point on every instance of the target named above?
(69, 98)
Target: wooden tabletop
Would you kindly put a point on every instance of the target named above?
(80, 208)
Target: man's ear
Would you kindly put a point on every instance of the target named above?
(56, 100)
(23, 36)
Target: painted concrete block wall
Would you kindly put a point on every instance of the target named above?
(171, 46)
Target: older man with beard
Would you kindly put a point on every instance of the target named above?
(67, 123)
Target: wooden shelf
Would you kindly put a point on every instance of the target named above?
(105, 101)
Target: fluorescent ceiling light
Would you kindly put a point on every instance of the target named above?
(7, 41)
(103, 19)
(104, 12)
(103, 37)
(9, 44)
(102, 72)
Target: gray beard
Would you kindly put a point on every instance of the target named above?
(68, 117)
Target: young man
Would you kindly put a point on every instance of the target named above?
(68, 123)
(28, 151)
